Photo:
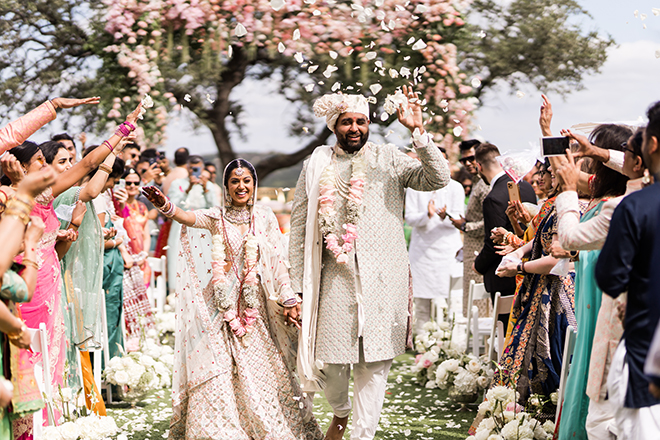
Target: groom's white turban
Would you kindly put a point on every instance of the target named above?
(332, 105)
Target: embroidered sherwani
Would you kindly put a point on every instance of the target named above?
(380, 289)
(473, 241)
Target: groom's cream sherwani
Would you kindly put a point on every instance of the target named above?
(375, 297)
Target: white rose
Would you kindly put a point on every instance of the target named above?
(69, 431)
(534, 400)
(429, 326)
(146, 360)
(499, 393)
(444, 325)
(510, 430)
(549, 427)
(121, 378)
(441, 374)
(495, 437)
(488, 424)
(452, 365)
(482, 382)
(554, 397)
(539, 432)
(482, 435)
(431, 385)
(115, 363)
(473, 366)
(509, 415)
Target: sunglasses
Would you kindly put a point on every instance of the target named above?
(132, 183)
(624, 145)
(467, 159)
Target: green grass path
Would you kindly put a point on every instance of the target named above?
(409, 412)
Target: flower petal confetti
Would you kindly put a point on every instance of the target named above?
(309, 87)
(281, 47)
(476, 82)
(277, 4)
(298, 57)
(370, 55)
(240, 30)
(482, 34)
(657, 53)
(208, 98)
(187, 98)
(230, 51)
(328, 70)
(410, 41)
(312, 69)
(296, 35)
(458, 131)
(336, 86)
(520, 94)
(656, 11)
(375, 88)
(419, 45)
(333, 54)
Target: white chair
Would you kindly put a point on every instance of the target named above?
(569, 347)
(42, 374)
(157, 291)
(477, 327)
(502, 306)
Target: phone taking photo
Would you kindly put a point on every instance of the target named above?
(121, 184)
(554, 145)
(514, 191)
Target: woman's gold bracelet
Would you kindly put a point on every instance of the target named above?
(105, 168)
(19, 334)
(20, 215)
(28, 262)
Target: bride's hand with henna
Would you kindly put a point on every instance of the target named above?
(155, 196)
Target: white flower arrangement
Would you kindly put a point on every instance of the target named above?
(467, 374)
(92, 427)
(139, 372)
(436, 343)
(505, 419)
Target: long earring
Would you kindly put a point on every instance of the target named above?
(227, 199)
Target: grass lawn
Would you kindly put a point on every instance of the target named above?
(409, 412)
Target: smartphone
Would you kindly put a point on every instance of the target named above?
(121, 184)
(514, 191)
(554, 146)
(152, 160)
(197, 172)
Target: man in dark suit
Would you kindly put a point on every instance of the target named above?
(494, 208)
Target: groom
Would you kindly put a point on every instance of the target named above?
(349, 260)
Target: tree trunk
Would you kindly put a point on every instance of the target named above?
(271, 163)
(232, 76)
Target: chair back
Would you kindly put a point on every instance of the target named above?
(501, 306)
(569, 347)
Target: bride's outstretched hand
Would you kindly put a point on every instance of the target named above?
(154, 195)
(292, 315)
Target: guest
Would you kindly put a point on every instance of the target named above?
(494, 211)
(434, 243)
(69, 144)
(472, 225)
(623, 265)
(180, 170)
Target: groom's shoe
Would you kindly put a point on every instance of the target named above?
(337, 428)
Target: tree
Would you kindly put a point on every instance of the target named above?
(533, 41)
(197, 54)
(192, 53)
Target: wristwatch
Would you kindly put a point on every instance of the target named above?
(463, 226)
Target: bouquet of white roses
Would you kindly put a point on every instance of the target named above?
(92, 427)
(468, 374)
(435, 343)
(505, 419)
(138, 371)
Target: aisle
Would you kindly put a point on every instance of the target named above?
(409, 412)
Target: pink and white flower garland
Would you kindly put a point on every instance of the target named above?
(250, 285)
(328, 215)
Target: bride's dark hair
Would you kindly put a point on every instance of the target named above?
(239, 163)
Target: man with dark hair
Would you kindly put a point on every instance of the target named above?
(212, 170)
(472, 224)
(69, 143)
(130, 154)
(180, 170)
(625, 264)
(494, 209)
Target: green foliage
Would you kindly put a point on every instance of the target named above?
(533, 41)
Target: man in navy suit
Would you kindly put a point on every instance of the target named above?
(494, 208)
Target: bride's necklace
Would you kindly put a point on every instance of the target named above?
(237, 216)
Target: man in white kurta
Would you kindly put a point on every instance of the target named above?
(434, 243)
(356, 308)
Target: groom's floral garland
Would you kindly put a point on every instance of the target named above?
(249, 290)
(328, 215)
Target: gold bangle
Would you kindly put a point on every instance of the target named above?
(28, 262)
(14, 336)
(23, 217)
(20, 204)
(105, 168)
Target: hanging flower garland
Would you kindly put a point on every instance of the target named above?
(249, 284)
(328, 215)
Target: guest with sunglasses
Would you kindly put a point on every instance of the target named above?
(472, 224)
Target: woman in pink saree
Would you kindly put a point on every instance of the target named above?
(45, 306)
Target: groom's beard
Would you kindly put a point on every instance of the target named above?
(351, 146)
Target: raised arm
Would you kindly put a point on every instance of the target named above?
(169, 209)
(71, 176)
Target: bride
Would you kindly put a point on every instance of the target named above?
(235, 353)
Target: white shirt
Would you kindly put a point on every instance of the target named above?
(434, 241)
(497, 176)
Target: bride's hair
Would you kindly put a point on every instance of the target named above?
(239, 163)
